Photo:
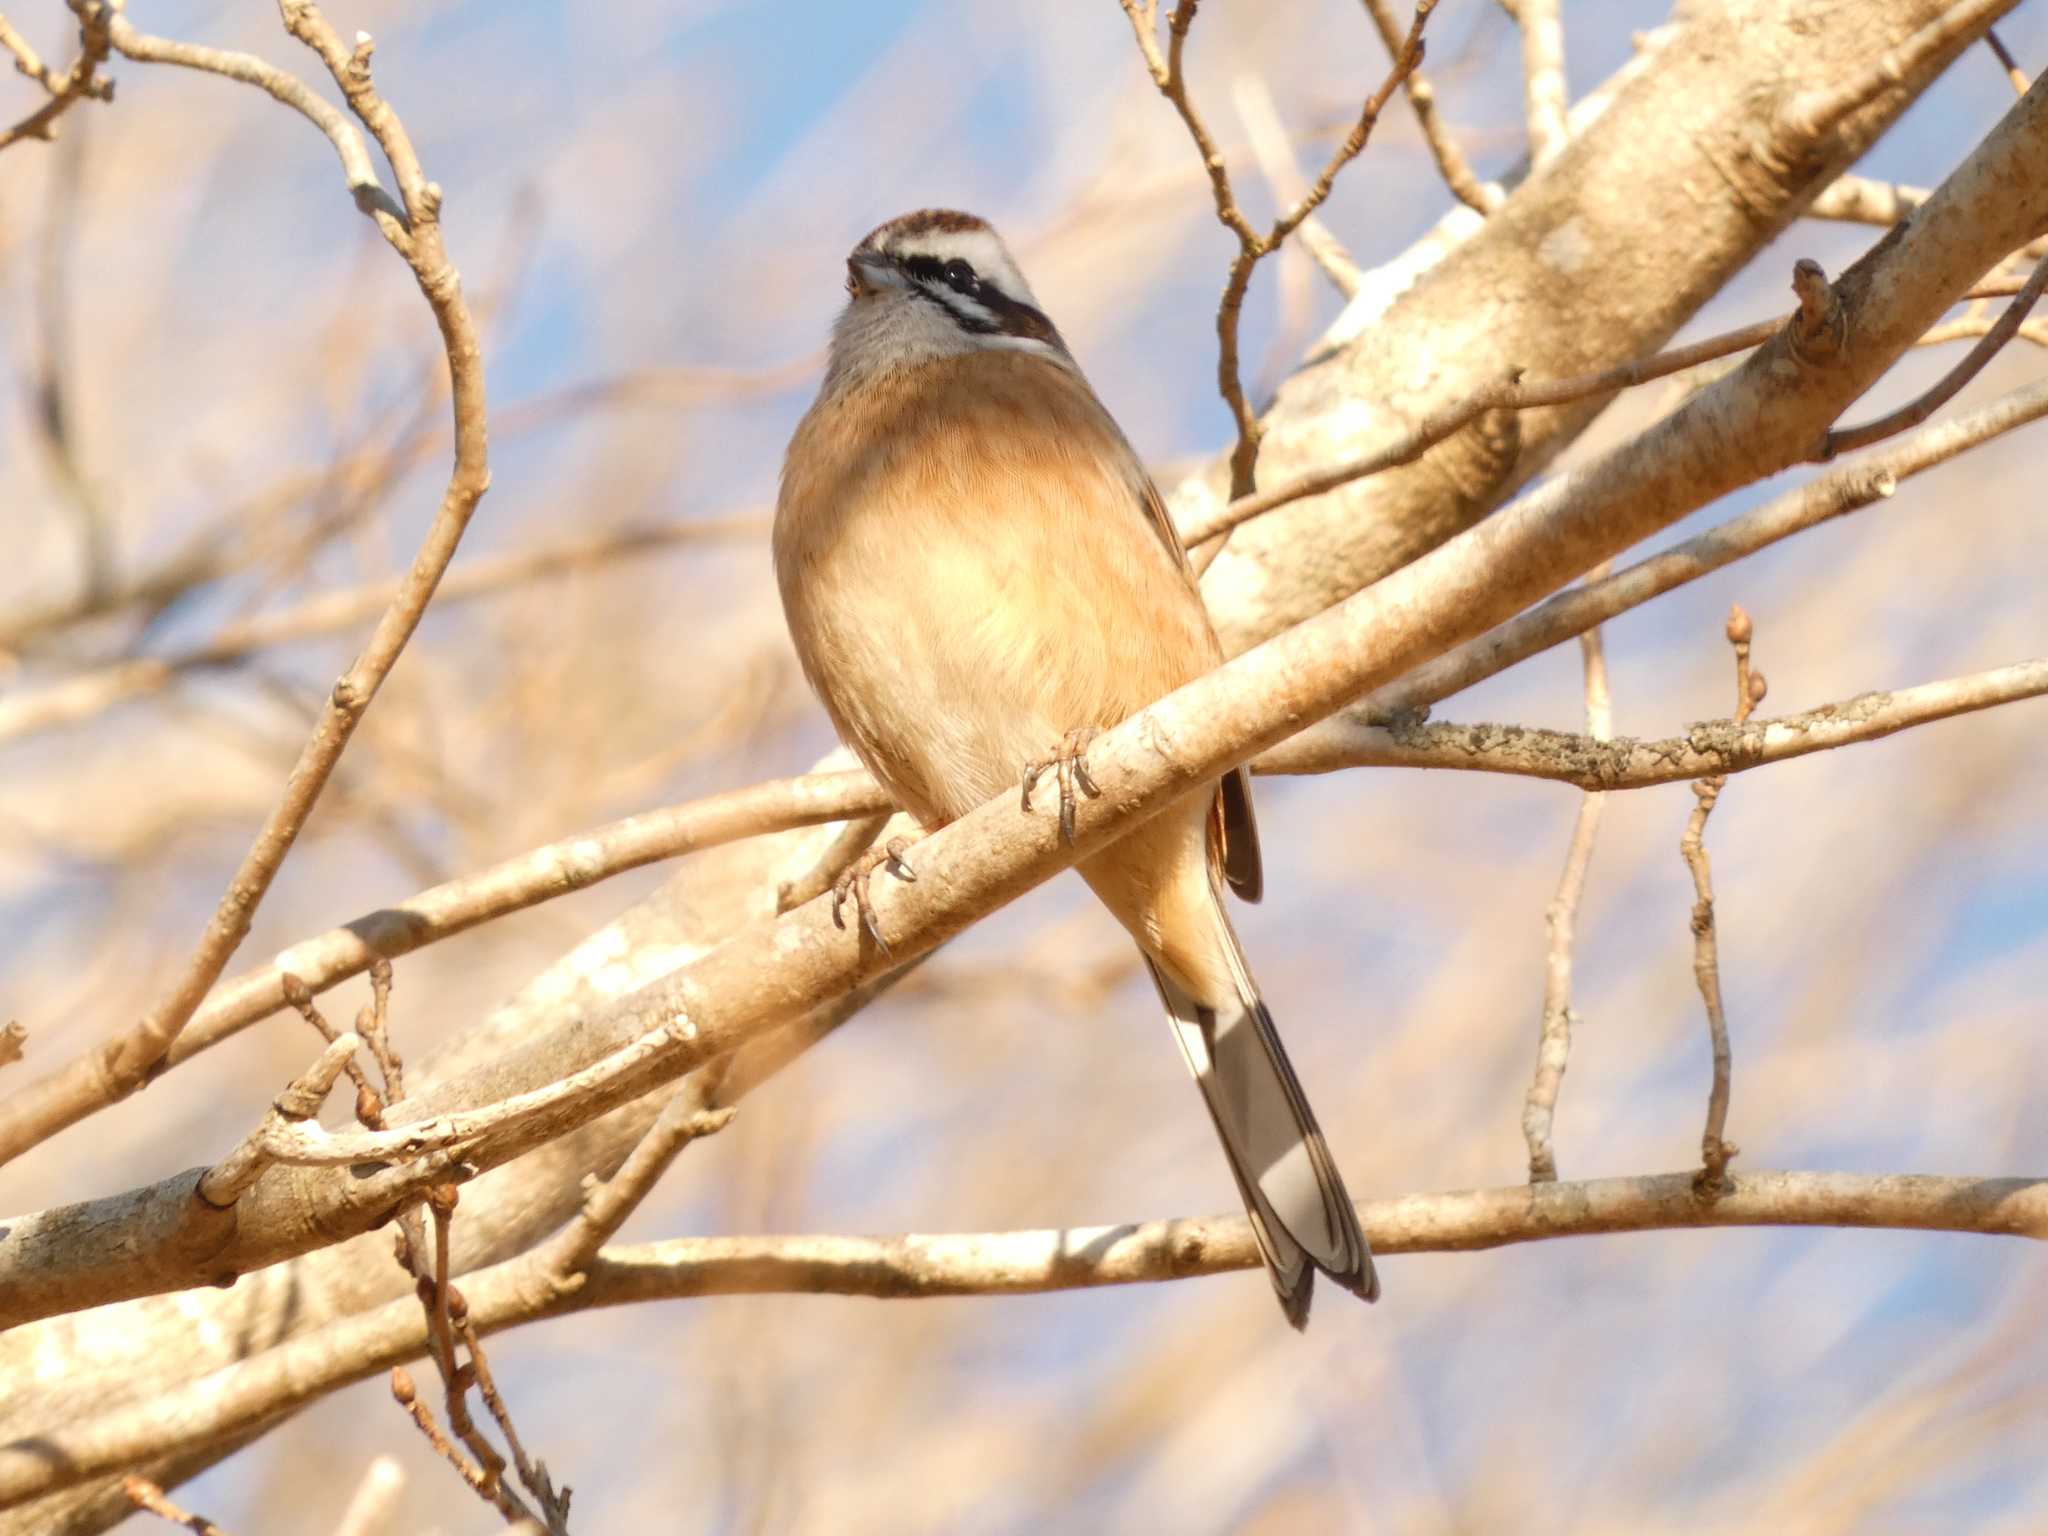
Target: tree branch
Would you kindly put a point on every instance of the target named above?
(1451, 164)
(218, 1406)
(1369, 735)
(124, 1062)
(1355, 740)
(1560, 927)
(81, 80)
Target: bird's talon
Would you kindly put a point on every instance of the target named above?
(853, 885)
(1071, 765)
(893, 852)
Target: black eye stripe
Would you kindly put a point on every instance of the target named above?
(981, 308)
(955, 274)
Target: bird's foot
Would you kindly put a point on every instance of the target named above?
(1071, 759)
(853, 885)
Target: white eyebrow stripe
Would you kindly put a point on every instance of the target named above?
(979, 248)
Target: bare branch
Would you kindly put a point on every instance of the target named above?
(234, 1175)
(357, 171)
(1859, 200)
(1847, 439)
(1456, 170)
(149, 1498)
(277, 1379)
(1845, 489)
(81, 80)
(1759, 418)
(125, 1061)
(2006, 61)
(541, 874)
(1811, 114)
(1363, 739)
(1508, 394)
(607, 1203)
(1275, 153)
(1560, 923)
(1252, 246)
(1715, 1149)
(1543, 78)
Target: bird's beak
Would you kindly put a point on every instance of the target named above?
(867, 272)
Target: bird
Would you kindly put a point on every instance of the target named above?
(976, 568)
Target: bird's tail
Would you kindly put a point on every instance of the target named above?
(1300, 1214)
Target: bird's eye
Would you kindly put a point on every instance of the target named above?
(960, 275)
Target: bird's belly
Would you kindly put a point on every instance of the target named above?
(951, 660)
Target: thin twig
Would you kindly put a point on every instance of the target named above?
(448, 1321)
(81, 80)
(1715, 1150)
(2011, 65)
(414, 231)
(373, 1023)
(608, 1202)
(1847, 439)
(1543, 78)
(1274, 151)
(1560, 924)
(491, 1491)
(369, 1106)
(151, 1499)
(234, 1175)
(1451, 164)
(1252, 246)
(854, 839)
(533, 1472)
(13, 1040)
(1367, 738)
(1508, 393)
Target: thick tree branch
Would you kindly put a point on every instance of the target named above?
(1370, 735)
(1625, 200)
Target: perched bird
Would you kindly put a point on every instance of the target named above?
(976, 568)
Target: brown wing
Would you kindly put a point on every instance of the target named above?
(1237, 830)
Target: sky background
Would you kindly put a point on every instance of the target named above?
(664, 194)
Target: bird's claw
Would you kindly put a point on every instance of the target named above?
(1071, 759)
(853, 885)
